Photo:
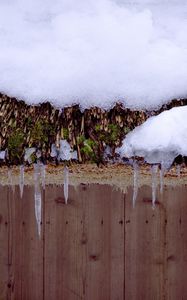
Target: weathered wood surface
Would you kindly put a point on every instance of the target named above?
(96, 247)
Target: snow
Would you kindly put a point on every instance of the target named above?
(160, 139)
(63, 152)
(94, 52)
(2, 155)
(28, 154)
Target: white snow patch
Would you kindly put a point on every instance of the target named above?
(2, 155)
(64, 152)
(94, 52)
(28, 154)
(160, 139)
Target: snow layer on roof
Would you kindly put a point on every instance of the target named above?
(160, 139)
(94, 52)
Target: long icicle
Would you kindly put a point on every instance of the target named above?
(161, 177)
(135, 183)
(37, 197)
(10, 180)
(66, 184)
(43, 174)
(154, 170)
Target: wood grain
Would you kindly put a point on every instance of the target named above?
(97, 247)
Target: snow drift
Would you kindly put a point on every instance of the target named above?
(160, 139)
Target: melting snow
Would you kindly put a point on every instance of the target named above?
(64, 152)
(28, 154)
(160, 139)
(2, 155)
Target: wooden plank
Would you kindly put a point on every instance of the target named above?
(3, 242)
(105, 247)
(25, 248)
(62, 235)
(176, 241)
(144, 247)
(32, 250)
(14, 244)
(84, 249)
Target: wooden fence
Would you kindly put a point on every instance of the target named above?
(95, 248)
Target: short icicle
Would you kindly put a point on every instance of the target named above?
(66, 184)
(154, 170)
(135, 183)
(37, 197)
(21, 180)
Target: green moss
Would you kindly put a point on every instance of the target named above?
(114, 133)
(110, 136)
(15, 146)
(42, 132)
(126, 129)
(65, 133)
(29, 122)
(81, 139)
(97, 128)
(88, 148)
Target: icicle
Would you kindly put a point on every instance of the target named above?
(21, 180)
(154, 170)
(37, 197)
(10, 181)
(66, 183)
(43, 169)
(178, 170)
(161, 178)
(135, 183)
